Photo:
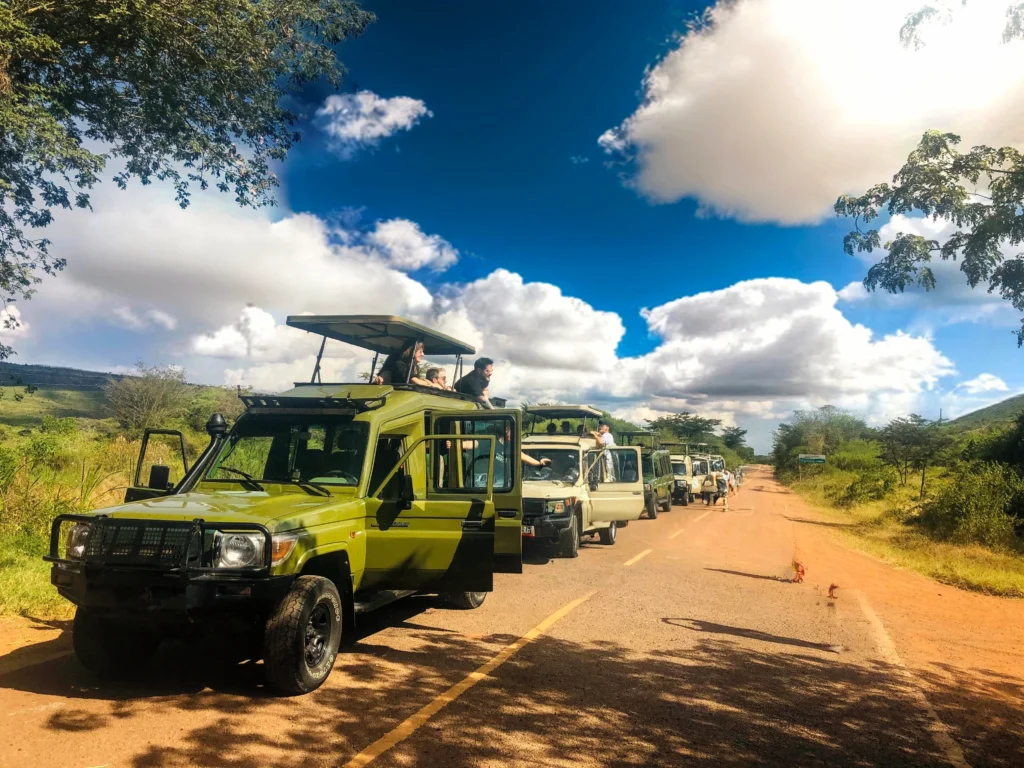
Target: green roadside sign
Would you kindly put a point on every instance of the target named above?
(811, 458)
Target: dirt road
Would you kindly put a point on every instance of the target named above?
(683, 644)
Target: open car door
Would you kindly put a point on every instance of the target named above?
(503, 425)
(616, 486)
(431, 518)
(160, 456)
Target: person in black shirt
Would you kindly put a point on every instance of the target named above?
(396, 368)
(475, 382)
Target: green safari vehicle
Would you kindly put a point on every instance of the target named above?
(319, 504)
(656, 468)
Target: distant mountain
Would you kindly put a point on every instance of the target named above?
(1005, 410)
(16, 374)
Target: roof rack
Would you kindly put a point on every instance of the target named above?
(381, 334)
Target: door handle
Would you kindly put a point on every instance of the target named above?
(507, 513)
(472, 524)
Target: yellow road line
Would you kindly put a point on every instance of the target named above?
(887, 649)
(409, 726)
(701, 517)
(641, 556)
(677, 533)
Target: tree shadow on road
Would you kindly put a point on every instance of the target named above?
(715, 699)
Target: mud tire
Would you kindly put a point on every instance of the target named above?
(301, 639)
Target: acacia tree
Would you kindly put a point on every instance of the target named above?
(980, 191)
(193, 92)
(686, 426)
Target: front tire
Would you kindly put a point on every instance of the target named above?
(686, 499)
(652, 507)
(465, 601)
(110, 649)
(302, 636)
(609, 534)
(569, 542)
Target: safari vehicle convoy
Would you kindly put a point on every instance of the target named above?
(683, 491)
(583, 490)
(659, 479)
(320, 503)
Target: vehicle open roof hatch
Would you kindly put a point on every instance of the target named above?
(381, 334)
(563, 412)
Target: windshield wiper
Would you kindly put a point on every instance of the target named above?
(306, 484)
(246, 475)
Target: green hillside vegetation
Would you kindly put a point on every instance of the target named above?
(72, 450)
(1001, 412)
(943, 499)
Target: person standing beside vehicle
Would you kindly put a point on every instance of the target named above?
(604, 437)
(476, 382)
(722, 481)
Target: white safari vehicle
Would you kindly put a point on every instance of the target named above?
(584, 489)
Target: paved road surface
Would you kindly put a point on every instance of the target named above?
(683, 644)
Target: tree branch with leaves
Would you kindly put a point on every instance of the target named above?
(190, 92)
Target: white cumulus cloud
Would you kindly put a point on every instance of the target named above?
(985, 382)
(363, 119)
(776, 107)
(403, 245)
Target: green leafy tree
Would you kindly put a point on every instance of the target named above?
(734, 438)
(192, 92)
(980, 191)
(686, 426)
(149, 397)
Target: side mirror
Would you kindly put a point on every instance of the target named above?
(593, 485)
(159, 477)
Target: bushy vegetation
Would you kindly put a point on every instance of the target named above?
(912, 482)
(52, 464)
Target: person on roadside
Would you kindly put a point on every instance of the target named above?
(476, 382)
(396, 367)
(707, 490)
(722, 485)
(604, 437)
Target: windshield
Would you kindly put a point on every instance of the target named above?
(564, 466)
(700, 468)
(717, 465)
(678, 467)
(326, 450)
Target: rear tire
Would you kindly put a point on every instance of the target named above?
(465, 601)
(302, 636)
(108, 648)
(609, 534)
(569, 542)
(667, 504)
(686, 499)
(652, 507)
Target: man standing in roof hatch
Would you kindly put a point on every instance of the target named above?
(476, 382)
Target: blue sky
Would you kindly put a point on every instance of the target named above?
(708, 203)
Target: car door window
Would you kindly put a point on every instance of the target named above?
(463, 464)
(386, 455)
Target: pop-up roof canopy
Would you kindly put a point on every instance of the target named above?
(629, 436)
(563, 412)
(380, 333)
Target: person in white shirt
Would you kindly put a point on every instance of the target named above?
(604, 436)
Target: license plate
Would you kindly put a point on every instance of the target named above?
(528, 530)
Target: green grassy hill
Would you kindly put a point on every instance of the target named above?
(1005, 410)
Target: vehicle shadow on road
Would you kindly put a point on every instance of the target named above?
(714, 702)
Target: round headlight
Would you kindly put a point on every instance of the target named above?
(78, 540)
(238, 551)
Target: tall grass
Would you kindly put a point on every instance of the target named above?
(54, 470)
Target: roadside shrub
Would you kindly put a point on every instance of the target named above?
(980, 506)
(873, 484)
(149, 397)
